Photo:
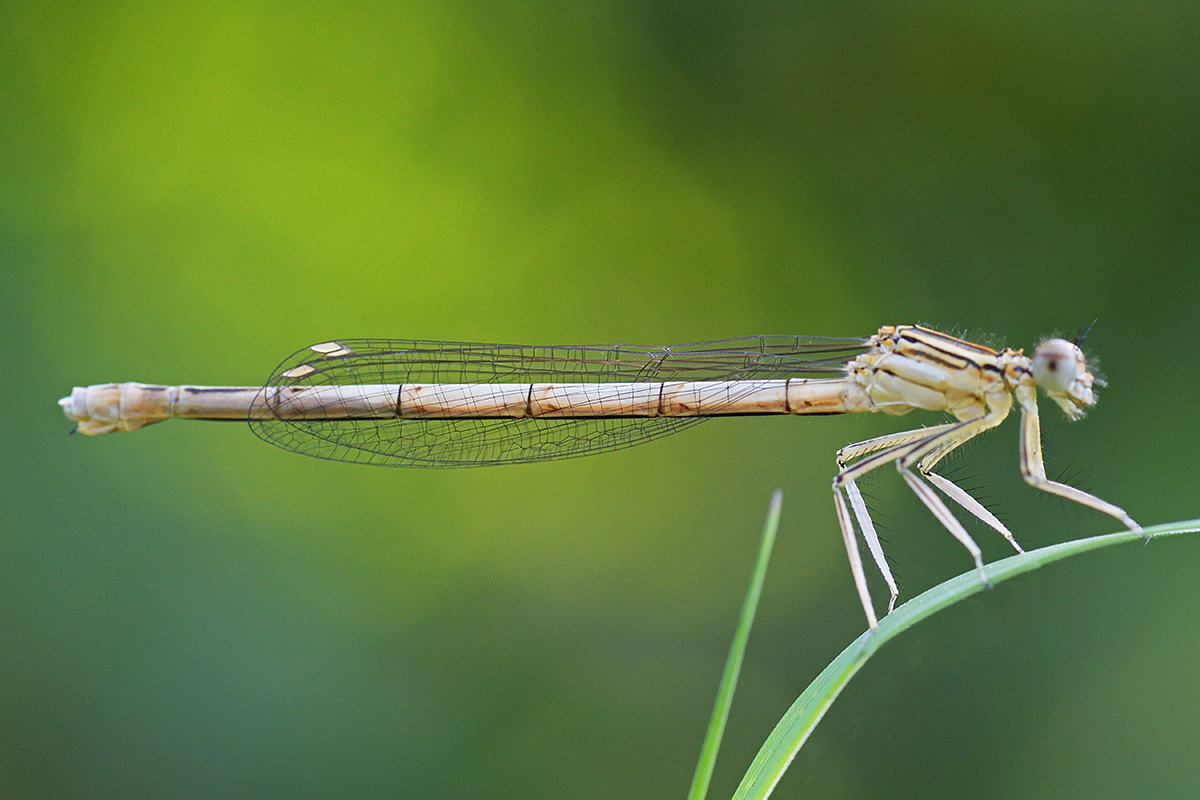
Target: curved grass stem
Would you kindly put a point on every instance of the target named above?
(798, 723)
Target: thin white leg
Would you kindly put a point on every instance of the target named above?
(935, 504)
(960, 496)
(856, 567)
(1033, 469)
(872, 539)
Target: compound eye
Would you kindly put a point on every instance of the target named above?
(1056, 365)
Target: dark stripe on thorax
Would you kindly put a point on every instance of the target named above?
(954, 353)
(952, 341)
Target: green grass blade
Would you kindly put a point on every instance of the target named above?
(733, 664)
(800, 720)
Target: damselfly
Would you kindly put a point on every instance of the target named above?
(447, 404)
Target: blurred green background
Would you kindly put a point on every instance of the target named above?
(190, 193)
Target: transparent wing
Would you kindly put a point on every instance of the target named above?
(465, 442)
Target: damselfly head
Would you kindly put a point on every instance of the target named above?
(1059, 367)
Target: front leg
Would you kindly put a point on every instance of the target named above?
(1034, 470)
